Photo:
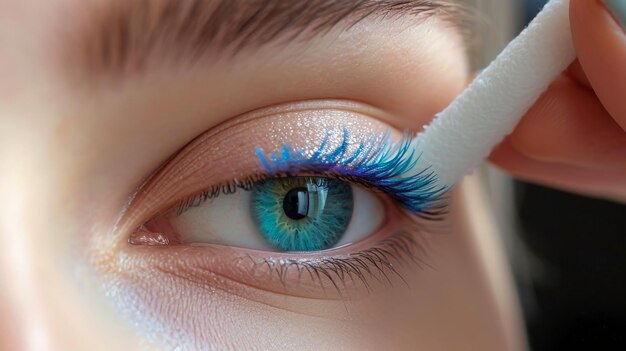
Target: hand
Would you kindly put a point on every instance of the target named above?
(574, 138)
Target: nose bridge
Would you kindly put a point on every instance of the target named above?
(49, 298)
(22, 320)
(46, 310)
(44, 303)
(37, 286)
(9, 339)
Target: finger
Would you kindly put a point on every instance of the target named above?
(601, 48)
(597, 183)
(576, 72)
(568, 125)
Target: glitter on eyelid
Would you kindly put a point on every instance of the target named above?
(319, 125)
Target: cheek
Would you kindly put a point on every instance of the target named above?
(176, 313)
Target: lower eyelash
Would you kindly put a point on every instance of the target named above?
(379, 263)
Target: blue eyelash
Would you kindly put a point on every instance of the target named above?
(380, 165)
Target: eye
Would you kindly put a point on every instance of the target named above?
(319, 198)
(280, 214)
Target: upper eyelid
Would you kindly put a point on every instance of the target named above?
(189, 160)
(192, 169)
(372, 166)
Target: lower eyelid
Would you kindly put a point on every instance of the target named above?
(348, 272)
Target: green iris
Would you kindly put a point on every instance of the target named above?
(302, 213)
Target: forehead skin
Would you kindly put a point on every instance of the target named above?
(73, 151)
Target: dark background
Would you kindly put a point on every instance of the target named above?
(578, 302)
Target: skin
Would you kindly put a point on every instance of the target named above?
(71, 158)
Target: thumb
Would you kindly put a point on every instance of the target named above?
(600, 41)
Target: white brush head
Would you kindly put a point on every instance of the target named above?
(463, 135)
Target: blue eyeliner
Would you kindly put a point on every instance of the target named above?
(384, 165)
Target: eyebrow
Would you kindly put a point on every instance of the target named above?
(128, 35)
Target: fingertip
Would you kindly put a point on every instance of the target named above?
(601, 48)
(591, 182)
(568, 125)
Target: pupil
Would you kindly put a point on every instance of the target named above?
(295, 203)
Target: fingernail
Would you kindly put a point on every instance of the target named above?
(618, 9)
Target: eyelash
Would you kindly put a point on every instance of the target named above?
(378, 262)
(376, 164)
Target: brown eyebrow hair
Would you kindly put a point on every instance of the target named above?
(125, 36)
